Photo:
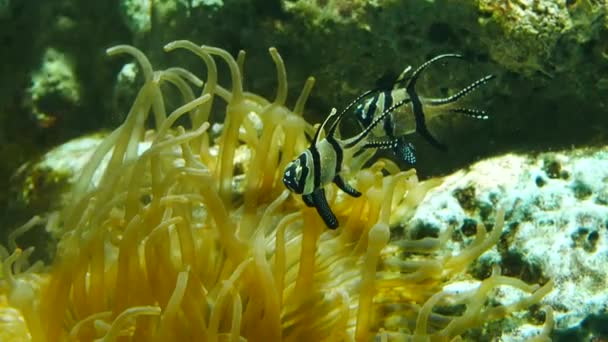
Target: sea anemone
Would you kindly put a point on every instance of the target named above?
(177, 234)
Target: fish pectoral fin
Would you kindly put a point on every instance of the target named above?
(308, 200)
(320, 203)
(405, 150)
(382, 144)
(344, 186)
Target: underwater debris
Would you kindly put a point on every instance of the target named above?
(160, 244)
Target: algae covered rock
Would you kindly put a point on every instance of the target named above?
(54, 90)
(535, 33)
(39, 187)
(531, 30)
(556, 210)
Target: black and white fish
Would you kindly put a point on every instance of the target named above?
(323, 162)
(413, 117)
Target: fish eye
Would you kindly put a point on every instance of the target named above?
(292, 176)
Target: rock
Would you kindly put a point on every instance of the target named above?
(55, 89)
(39, 187)
(556, 220)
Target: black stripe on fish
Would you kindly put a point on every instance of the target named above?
(339, 153)
(305, 172)
(388, 121)
(316, 166)
(417, 104)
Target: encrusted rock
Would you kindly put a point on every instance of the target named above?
(554, 232)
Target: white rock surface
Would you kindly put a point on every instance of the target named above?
(557, 209)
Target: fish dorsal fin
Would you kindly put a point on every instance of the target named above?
(334, 125)
(375, 123)
(320, 129)
(395, 84)
(412, 80)
(402, 77)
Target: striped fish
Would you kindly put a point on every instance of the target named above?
(323, 162)
(412, 118)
